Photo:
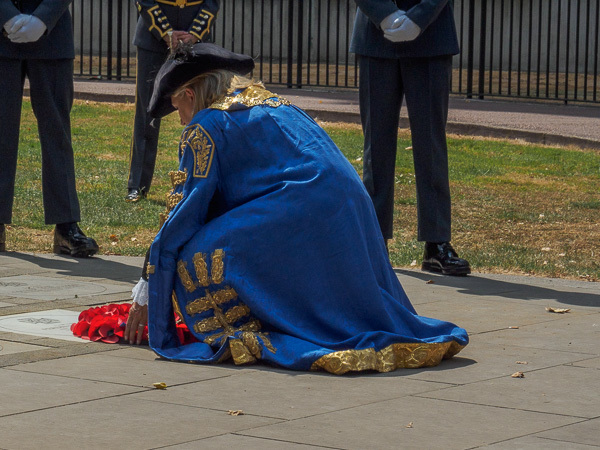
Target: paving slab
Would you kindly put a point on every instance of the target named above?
(579, 334)
(489, 313)
(133, 372)
(536, 443)
(412, 423)
(565, 390)
(593, 363)
(108, 267)
(584, 433)
(481, 361)
(512, 288)
(9, 348)
(24, 392)
(50, 288)
(291, 395)
(245, 442)
(119, 422)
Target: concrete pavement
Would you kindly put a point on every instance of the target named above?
(62, 392)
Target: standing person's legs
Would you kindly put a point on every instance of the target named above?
(426, 82)
(11, 86)
(144, 144)
(380, 100)
(51, 87)
(427, 87)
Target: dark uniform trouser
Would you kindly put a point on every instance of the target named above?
(424, 83)
(144, 144)
(51, 90)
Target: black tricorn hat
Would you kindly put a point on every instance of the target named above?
(187, 63)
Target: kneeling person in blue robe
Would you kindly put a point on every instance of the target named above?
(270, 247)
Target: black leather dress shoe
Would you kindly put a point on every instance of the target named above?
(441, 257)
(133, 195)
(2, 238)
(70, 240)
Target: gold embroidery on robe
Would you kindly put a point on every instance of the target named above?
(201, 267)
(176, 307)
(178, 177)
(245, 341)
(221, 319)
(248, 348)
(202, 147)
(252, 325)
(407, 356)
(217, 266)
(173, 199)
(251, 96)
(185, 277)
(212, 298)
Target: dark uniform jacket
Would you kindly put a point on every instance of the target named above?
(434, 17)
(158, 17)
(55, 43)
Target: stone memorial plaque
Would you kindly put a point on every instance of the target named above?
(47, 288)
(54, 324)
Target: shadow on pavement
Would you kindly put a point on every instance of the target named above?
(95, 267)
(480, 286)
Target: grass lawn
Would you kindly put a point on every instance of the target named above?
(517, 208)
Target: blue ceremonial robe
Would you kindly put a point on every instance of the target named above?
(271, 250)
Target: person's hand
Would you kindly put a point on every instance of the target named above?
(175, 37)
(394, 20)
(31, 31)
(136, 322)
(138, 313)
(404, 30)
(14, 24)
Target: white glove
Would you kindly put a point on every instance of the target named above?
(139, 293)
(406, 30)
(31, 31)
(393, 20)
(15, 23)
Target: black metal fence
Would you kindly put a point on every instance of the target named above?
(535, 49)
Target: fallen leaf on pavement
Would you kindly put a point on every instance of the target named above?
(522, 362)
(160, 385)
(410, 425)
(518, 375)
(235, 412)
(558, 310)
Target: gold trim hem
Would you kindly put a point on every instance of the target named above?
(392, 357)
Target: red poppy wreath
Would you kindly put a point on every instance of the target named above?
(107, 324)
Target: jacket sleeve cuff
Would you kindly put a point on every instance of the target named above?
(201, 24)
